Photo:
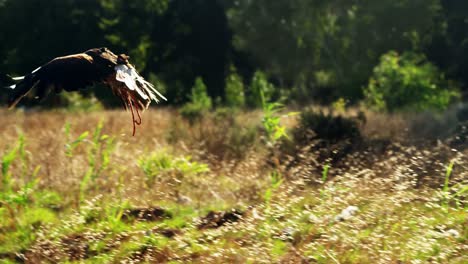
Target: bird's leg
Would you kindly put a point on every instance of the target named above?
(124, 100)
(139, 117)
(137, 107)
(133, 115)
(134, 107)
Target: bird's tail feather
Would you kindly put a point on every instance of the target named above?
(21, 89)
(8, 81)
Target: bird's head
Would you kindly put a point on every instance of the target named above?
(123, 59)
(98, 51)
(103, 55)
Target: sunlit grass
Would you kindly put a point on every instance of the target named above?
(67, 192)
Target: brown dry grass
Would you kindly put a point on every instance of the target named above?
(393, 179)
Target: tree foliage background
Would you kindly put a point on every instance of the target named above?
(318, 50)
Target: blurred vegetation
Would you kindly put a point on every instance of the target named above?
(307, 50)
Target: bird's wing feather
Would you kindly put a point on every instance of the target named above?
(70, 73)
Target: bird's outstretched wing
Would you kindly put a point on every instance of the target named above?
(69, 73)
(73, 72)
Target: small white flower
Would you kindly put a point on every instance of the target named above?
(347, 213)
(313, 219)
(256, 215)
(452, 233)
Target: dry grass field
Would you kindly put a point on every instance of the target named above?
(78, 188)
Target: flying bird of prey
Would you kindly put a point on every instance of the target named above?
(74, 72)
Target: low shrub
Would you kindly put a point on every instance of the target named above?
(408, 82)
(260, 90)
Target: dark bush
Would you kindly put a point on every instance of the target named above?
(317, 124)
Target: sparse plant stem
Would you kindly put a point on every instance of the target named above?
(7, 161)
(22, 156)
(325, 170)
(446, 189)
(276, 180)
(324, 193)
(15, 195)
(98, 154)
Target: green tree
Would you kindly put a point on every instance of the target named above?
(128, 25)
(234, 90)
(309, 49)
(191, 39)
(200, 102)
(199, 94)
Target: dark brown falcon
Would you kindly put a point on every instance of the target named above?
(74, 72)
